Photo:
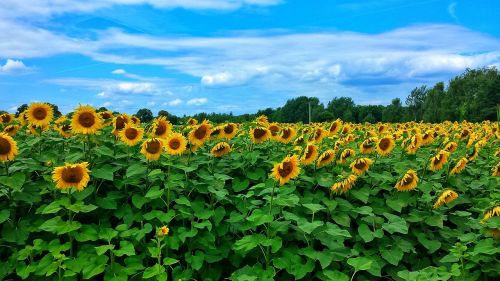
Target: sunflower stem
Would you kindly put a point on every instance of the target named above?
(268, 250)
(70, 222)
(168, 188)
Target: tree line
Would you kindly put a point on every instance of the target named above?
(473, 95)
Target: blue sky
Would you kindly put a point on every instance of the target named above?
(188, 56)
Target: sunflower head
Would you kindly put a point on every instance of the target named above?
(437, 162)
(106, 115)
(176, 144)
(325, 158)
(319, 134)
(335, 127)
(86, 121)
(152, 148)
(446, 197)
(64, 130)
(200, 133)
(23, 118)
(287, 134)
(408, 181)
(6, 118)
(495, 171)
(310, 154)
(161, 127)
(221, 149)
(119, 122)
(275, 129)
(192, 122)
(259, 134)
(493, 212)
(8, 148)
(163, 231)
(361, 165)
(11, 130)
(368, 145)
(135, 120)
(229, 130)
(262, 120)
(384, 146)
(286, 170)
(39, 114)
(460, 166)
(299, 140)
(344, 185)
(131, 135)
(71, 175)
(346, 153)
(451, 147)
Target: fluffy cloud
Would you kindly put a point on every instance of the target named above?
(118, 71)
(175, 102)
(197, 101)
(14, 67)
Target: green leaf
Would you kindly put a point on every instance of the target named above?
(101, 250)
(259, 217)
(154, 192)
(392, 255)
(137, 169)
(14, 181)
(335, 231)
(4, 215)
(138, 200)
(365, 233)
(335, 275)
(430, 245)
(395, 224)
(314, 207)
(308, 227)
(153, 271)
(361, 194)
(240, 185)
(104, 172)
(58, 226)
(360, 263)
(248, 242)
(126, 249)
(80, 207)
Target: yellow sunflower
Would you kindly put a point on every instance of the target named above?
(437, 162)
(475, 153)
(299, 140)
(344, 185)
(459, 166)
(230, 130)
(259, 135)
(163, 231)
(361, 165)
(8, 148)
(135, 120)
(335, 127)
(384, 146)
(451, 147)
(200, 133)
(6, 118)
(161, 127)
(408, 182)
(23, 118)
(319, 134)
(85, 121)
(310, 155)
(346, 153)
(106, 115)
(216, 132)
(11, 130)
(494, 212)
(415, 144)
(221, 149)
(428, 138)
(131, 135)
(495, 171)
(262, 120)
(446, 197)
(368, 145)
(71, 175)
(35, 130)
(119, 123)
(286, 170)
(176, 144)
(192, 122)
(39, 114)
(325, 158)
(275, 130)
(346, 129)
(152, 148)
(287, 135)
(64, 130)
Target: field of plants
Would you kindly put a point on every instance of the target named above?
(100, 196)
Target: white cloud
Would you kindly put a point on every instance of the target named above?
(452, 10)
(118, 71)
(151, 103)
(175, 102)
(106, 104)
(197, 101)
(135, 88)
(14, 67)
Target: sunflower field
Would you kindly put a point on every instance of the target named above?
(100, 196)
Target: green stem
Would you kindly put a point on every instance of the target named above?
(158, 244)
(168, 188)
(268, 250)
(70, 222)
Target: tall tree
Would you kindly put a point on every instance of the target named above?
(145, 115)
(415, 102)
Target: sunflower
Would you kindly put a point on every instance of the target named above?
(135, 120)
(319, 134)
(451, 147)
(163, 231)
(446, 197)
(8, 147)
(361, 165)
(11, 130)
(85, 121)
(286, 169)
(71, 175)
(221, 149)
(299, 140)
(6, 118)
(475, 152)
(335, 127)
(325, 158)
(384, 146)
(161, 127)
(344, 185)
(310, 154)
(216, 132)
(39, 114)
(382, 129)
(437, 162)
(275, 129)
(35, 130)
(494, 212)
(105, 115)
(346, 129)
(259, 135)
(192, 122)
(200, 133)
(459, 166)
(64, 130)
(428, 138)
(408, 181)
(119, 122)
(152, 148)
(176, 144)
(131, 135)
(262, 120)
(346, 154)
(229, 131)
(287, 135)
(23, 118)
(415, 144)
(495, 171)
(368, 145)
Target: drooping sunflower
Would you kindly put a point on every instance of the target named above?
(275, 130)
(368, 145)
(176, 144)
(119, 123)
(259, 135)
(11, 130)
(335, 127)
(325, 158)
(287, 135)
(71, 175)
(39, 114)
(344, 185)
(384, 146)
(319, 134)
(415, 144)
(64, 130)
(23, 118)
(428, 138)
(299, 140)
(161, 127)
(346, 129)
(474, 154)
(495, 171)
(446, 197)
(310, 154)
(85, 121)
(152, 148)
(451, 147)
(220, 149)
(286, 170)
(106, 115)
(437, 162)
(192, 122)
(200, 133)
(6, 118)
(361, 165)
(8, 148)
(493, 212)
(131, 135)
(346, 153)
(408, 181)
(460, 166)
(230, 130)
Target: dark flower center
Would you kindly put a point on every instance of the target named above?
(200, 132)
(72, 174)
(174, 144)
(384, 143)
(229, 129)
(4, 146)
(153, 146)
(286, 170)
(131, 133)
(259, 133)
(40, 113)
(86, 119)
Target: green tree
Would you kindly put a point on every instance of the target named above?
(21, 108)
(145, 115)
(415, 102)
(432, 104)
(297, 109)
(340, 106)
